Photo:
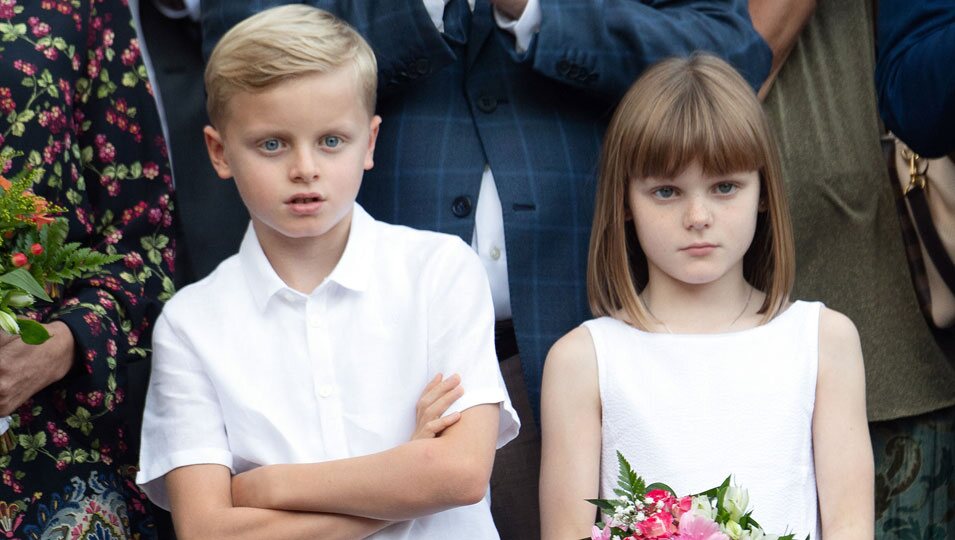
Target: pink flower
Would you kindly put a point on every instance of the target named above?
(7, 105)
(133, 260)
(25, 67)
(6, 8)
(682, 506)
(598, 534)
(150, 170)
(656, 527)
(696, 527)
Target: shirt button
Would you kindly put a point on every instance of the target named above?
(325, 390)
(495, 253)
(315, 321)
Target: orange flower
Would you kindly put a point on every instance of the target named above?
(5, 184)
(40, 207)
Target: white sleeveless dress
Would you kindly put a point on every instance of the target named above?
(688, 410)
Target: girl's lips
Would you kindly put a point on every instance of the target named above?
(698, 250)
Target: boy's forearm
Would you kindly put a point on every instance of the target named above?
(255, 523)
(417, 478)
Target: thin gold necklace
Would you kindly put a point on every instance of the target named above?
(667, 328)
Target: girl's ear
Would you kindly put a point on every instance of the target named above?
(763, 205)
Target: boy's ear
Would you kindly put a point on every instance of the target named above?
(372, 139)
(216, 152)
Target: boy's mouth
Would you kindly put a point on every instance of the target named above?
(305, 198)
(305, 203)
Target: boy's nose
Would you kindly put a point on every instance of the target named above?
(304, 168)
(697, 215)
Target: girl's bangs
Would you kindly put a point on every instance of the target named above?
(718, 133)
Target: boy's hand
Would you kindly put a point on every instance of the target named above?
(436, 398)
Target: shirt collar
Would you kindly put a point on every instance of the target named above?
(352, 271)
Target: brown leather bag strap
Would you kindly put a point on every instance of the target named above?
(929, 236)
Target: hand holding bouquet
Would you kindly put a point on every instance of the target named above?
(35, 259)
(643, 511)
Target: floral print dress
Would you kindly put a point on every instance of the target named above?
(75, 100)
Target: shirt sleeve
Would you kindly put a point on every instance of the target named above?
(523, 28)
(183, 422)
(461, 333)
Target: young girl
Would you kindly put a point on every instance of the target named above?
(699, 366)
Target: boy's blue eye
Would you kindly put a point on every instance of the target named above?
(331, 141)
(271, 145)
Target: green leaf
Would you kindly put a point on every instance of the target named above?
(80, 455)
(29, 454)
(32, 332)
(87, 154)
(25, 441)
(22, 279)
(26, 116)
(603, 504)
(129, 79)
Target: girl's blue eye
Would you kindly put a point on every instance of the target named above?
(331, 141)
(664, 192)
(725, 188)
(271, 145)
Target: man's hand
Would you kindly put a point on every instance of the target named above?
(511, 8)
(27, 369)
(438, 395)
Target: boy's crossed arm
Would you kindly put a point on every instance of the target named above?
(417, 478)
(208, 502)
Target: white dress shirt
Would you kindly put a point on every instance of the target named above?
(248, 372)
(488, 238)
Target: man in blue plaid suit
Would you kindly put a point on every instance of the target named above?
(493, 118)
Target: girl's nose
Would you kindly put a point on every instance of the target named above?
(697, 215)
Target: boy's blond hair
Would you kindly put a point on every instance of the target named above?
(284, 43)
(680, 111)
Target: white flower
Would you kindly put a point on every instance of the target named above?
(19, 299)
(732, 529)
(736, 501)
(8, 323)
(703, 507)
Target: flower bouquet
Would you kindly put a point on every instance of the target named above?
(654, 511)
(35, 259)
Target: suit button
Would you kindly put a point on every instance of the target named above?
(487, 104)
(563, 67)
(422, 66)
(461, 206)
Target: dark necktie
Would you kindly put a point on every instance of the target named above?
(457, 21)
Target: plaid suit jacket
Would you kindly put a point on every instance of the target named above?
(452, 104)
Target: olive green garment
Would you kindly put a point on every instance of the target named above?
(849, 251)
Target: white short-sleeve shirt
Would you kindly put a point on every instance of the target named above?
(248, 372)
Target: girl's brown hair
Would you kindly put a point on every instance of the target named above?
(680, 111)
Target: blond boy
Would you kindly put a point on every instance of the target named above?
(284, 400)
